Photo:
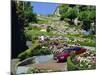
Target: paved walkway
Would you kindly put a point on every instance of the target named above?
(52, 65)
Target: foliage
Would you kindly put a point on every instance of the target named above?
(28, 53)
(68, 11)
(25, 12)
(85, 14)
(70, 65)
(48, 29)
(86, 25)
(87, 43)
(87, 60)
(87, 17)
(25, 54)
(22, 15)
(83, 8)
(93, 15)
(86, 40)
(63, 11)
(35, 32)
(34, 51)
(84, 61)
(89, 36)
(72, 13)
(42, 21)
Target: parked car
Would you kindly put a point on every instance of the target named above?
(60, 57)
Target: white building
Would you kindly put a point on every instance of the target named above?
(56, 12)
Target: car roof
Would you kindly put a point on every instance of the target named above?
(73, 48)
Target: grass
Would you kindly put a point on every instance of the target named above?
(89, 39)
(89, 36)
(81, 36)
(43, 22)
(74, 35)
(35, 32)
(91, 43)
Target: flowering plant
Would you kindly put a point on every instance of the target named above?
(84, 61)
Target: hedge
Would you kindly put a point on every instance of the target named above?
(70, 65)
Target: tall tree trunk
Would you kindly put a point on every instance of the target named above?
(18, 41)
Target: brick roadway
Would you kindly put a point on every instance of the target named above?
(52, 65)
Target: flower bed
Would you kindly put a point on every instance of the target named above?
(85, 61)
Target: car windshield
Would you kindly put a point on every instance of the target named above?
(71, 49)
(76, 48)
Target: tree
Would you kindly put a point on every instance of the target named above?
(20, 17)
(87, 17)
(18, 40)
(68, 11)
(28, 12)
(93, 19)
(92, 16)
(25, 12)
(72, 14)
(72, 5)
(86, 24)
(83, 8)
(63, 11)
(83, 15)
(63, 8)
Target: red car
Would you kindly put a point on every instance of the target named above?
(66, 53)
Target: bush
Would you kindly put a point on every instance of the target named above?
(83, 15)
(25, 54)
(36, 50)
(70, 65)
(86, 24)
(72, 13)
(89, 36)
(87, 17)
(30, 28)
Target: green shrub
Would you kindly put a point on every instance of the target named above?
(29, 27)
(88, 36)
(72, 13)
(87, 17)
(87, 43)
(25, 54)
(34, 51)
(70, 65)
